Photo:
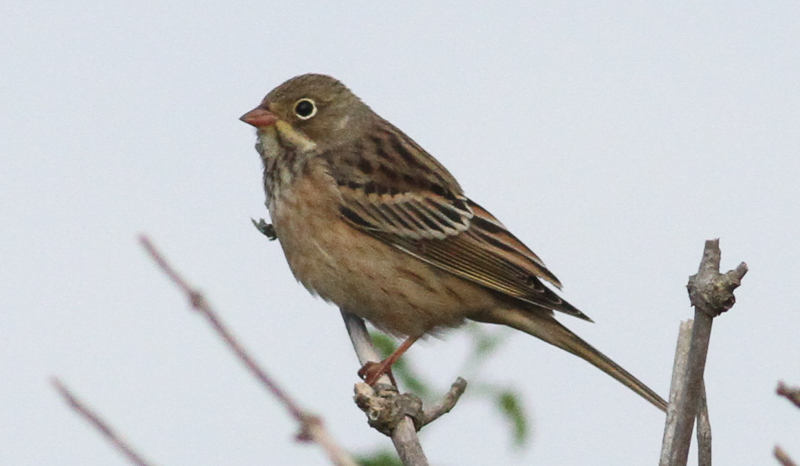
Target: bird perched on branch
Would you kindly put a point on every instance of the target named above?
(370, 221)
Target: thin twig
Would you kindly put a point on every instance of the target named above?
(676, 389)
(311, 427)
(99, 424)
(711, 293)
(703, 430)
(448, 402)
(404, 435)
(687, 408)
(783, 457)
(790, 393)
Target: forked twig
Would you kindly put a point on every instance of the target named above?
(99, 424)
(711, 294)
(397, 415)
(404, 433)
(676, 394)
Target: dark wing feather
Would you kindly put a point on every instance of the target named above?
(399, 191)
(409, 201)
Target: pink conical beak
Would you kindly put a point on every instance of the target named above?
(259, 118)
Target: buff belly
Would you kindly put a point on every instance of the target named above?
(394, 291)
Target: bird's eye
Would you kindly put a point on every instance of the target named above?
(305, 109)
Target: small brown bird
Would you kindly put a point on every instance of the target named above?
(370, 221)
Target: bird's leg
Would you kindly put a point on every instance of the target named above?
(372, 371)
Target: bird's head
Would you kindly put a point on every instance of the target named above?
(310, 112)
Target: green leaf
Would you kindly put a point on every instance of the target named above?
(380, 458)
(383, 343)
(484, 343)
(510, 405)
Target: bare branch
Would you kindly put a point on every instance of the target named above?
(781, 456)
(676, 389)
(711, 293)
(99, 424)
(385, 407)
(404, 434)
(311, 427)
(448, 402)
(703, 430)
(791, 393)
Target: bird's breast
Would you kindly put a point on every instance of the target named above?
(392, 289)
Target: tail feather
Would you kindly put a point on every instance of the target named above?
(547, 328)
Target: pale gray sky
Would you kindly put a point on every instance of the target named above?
(613, 138)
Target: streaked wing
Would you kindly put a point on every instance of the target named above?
(399, 188)
(408, 200)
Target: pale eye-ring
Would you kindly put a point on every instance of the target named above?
(305, 108)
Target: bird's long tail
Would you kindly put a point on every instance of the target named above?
(547, 328)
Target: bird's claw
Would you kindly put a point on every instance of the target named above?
(265, 228)
(372, 371)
